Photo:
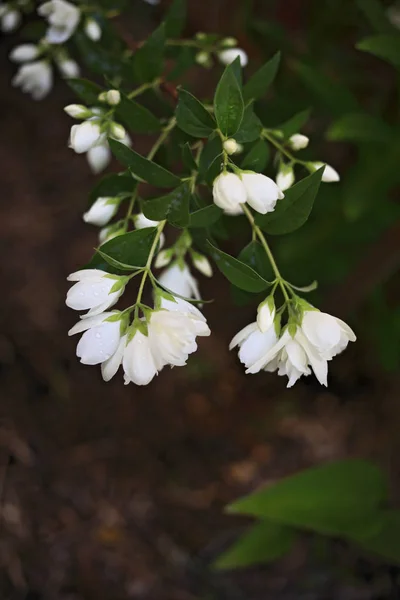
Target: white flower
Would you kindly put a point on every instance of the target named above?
(327, 333)
(10, 18)
(113, 97)
(202, 264)
(228, 56)
(101, 339)
(138, 362)
(24, 53)
(141, 222)
(95, 290)
(253, 343)
(179, 280)
(330, 175)
(101, 211)
(285, 177)
(189, 310)
(231, 146)
(68, 68)
(261, 192)
(172, 336)
(85, 136)
(163, 258)
(77, 111)
(35, 78)
(298, 141)
(266, 314)
(117, 131)
(109, 232)
(63, 18)
(98, 157)
(229, 192)
(92, 30)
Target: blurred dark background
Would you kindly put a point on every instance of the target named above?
(110, 492)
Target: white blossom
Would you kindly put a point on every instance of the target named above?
(262, 192)
(35, 78)
(10, 18)
(231, 146)
(77, 111)
(163, 258)
(92, 30)
(109, 232)
(113, 97)
(98, 157)
(266, 314)
(230, 54)
(101, 211)
(68, 68)
(138, 361)
(285, 177)
(178, 279)
(229, 192)
(328, 334)
(117, 131)
(298, 141)
(63, 18)
(101, 338)
(141, 222)
(95, 290)
(24, 53)
(253, 343)
(330, 175)
(202, 264)
(85, 136)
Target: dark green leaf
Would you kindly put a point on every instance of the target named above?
(86, 90)
(184, 60)
(211, 159)
(148, 60)
(385, 541)
(253, 255)
(259, 83)
(228, 101)
(359, 127)
(131, 249)
(257, 158)
(142, 168)
(136, 117)
(294, 124)
(384, 46)
(204, 217)
(375, 13)
(113, 185)
(175, 19)
(192, 117)
(187, 158)
(97, 58)
(250, 128)
(174, 207)
(337, 498)
(264, 543)
(237, 272)
(294, 209)
(116, 264)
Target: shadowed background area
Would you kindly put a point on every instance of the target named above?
(111, 492)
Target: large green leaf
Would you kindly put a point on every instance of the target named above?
(141, 167)
(148, 59)
(175, 19)
(250, 128)
(338, 498)
(86, 90)
(257, 158)
(264, 543)
(97, 57)
(294, 209)
(211, 159)
(253, 255)
(386, 540)
(174, 207)
(259, 83)
(131, 249)
(192, 117)
(359, 127)
(206, 216)
(374, 11)
(136, 117)
(113, 185)
(385, 46)
(228, 101)
(237, 272)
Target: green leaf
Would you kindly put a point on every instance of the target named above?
(174, 207)
(211, 159)
(335, 499)
(237, 272)
(148, 61)
(385, 541)
(253, 255)
(259, 83)
(257, 158)
(86, 90)
(130, 248)
(192, 117)
(359, 127)
(375, 13)
(295, 123)
(294, 209)
(250, 128)
(136, 117)
(142, 168)
(187, 158)
(118, 265)
(204, 217)
(175, 19)
(113, 185)
(97, 58)
(264, 543)
(385, 46)
(228, 101)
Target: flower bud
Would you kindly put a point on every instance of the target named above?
(203, 58)
(285, 178)
(92, 30)
(200, 35)
(266, 314)
(330, 175)
(229, 42)
(228, 56)
(102, 97)
(101, 211)
(84, 136)
(229, 192)
(69, 68)
(10, 19)
(117, 131)
(231, 146)
(262, 192)
(298, 141)
(113, 97)
(77, 111)
(202, 264)
(164, 258)
(24, 53)
(109, 232)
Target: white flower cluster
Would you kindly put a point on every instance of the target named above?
(307, 344)
(231, 190)
(165, 336)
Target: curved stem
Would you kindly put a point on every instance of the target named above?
(159, 142)
(146, 271)
(281, 148)
(143, 88)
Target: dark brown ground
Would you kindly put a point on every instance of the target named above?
(111, 492)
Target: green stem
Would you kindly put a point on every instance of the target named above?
(159, 142)
(144, 87)
(265, 134)
(146, 271)
(267, 249)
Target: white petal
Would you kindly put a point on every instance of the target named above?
(89, 322)
(98, 157)
(111, 366)
(138, 362)
(99, 343)
(270, 355)
(256, 346)
(318, 364)
(242, 335)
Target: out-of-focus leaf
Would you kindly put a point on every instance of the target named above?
(237, 272)
(257, 157)
(206, 216)
(259, 83)
(192, 117)
(210, 159)
(295, 123)
(175, 19)
(228, 101)
(86, 90)
(136, 117)
(97, 58)
(359, 127)
(385, 46)
(148, 59)
(121, 184)
(375, 13)
(385, 541)
(174, 207)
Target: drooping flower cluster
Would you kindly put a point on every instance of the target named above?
(231, 190)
